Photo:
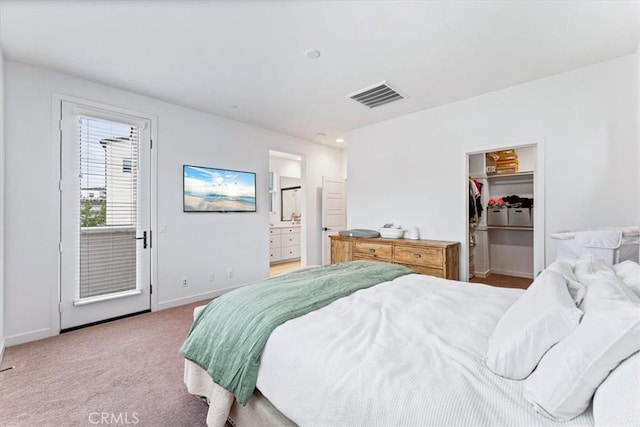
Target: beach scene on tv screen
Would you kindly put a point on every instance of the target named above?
(218, 190)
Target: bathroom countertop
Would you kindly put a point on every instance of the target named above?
(284, 225)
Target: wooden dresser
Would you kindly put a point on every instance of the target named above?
(433, 257)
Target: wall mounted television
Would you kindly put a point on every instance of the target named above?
(218, 190)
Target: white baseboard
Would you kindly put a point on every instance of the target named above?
(482, 274)
(513, 273)
(28, 337)
(1, 350)
(195, 298)
(45, 333)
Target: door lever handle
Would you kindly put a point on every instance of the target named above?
(144, 239)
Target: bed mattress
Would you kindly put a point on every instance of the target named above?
(407, 352)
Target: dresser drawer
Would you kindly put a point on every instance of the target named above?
(273, 231)
(275, 241)
(363, 257)
(292, 230)
(290, 239)
(431, 257)
(373, 250)
(276, 255)
(290, 252)
(420, 269)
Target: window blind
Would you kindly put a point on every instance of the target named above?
(108, 159)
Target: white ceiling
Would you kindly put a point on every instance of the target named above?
(211, 55)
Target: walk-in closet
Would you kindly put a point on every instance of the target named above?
(502, 213)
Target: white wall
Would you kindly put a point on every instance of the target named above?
(2, 204)
(194, 245)
(285, 167)
(409, 170)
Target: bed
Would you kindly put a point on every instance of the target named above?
(407, 351)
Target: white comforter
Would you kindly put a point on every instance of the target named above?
(408, 352)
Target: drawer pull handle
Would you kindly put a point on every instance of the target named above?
(518, 210)
(417, 256)
(372, 250)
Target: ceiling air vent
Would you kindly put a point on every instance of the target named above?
(376, 95)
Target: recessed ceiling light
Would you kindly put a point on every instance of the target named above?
(312, 53)
(320, 135)
(339, 140)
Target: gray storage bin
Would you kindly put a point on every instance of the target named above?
(497, 216)
(520, 217)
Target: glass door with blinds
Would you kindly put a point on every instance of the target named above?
(105, 240)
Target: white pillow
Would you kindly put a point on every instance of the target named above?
(590, 268)
(568, 374)
(619, 291)
(617, 400)
(576, 289)
(541, 317)
(629, 273)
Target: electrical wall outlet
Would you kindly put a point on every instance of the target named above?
(230, 273)
(184, 282)
(211, 277)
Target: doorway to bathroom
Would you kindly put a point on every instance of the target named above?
(286, 212)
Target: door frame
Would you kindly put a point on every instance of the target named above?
(56, 117)
(304, 212)
(539, 247)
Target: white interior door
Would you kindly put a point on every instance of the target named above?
(105, 237)
(334, 212)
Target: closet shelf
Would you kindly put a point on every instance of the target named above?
(478, 176)
(520, 177)
(509, 227)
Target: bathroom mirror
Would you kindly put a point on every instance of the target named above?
(290, 203)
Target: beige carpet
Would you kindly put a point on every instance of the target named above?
(125, 372)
